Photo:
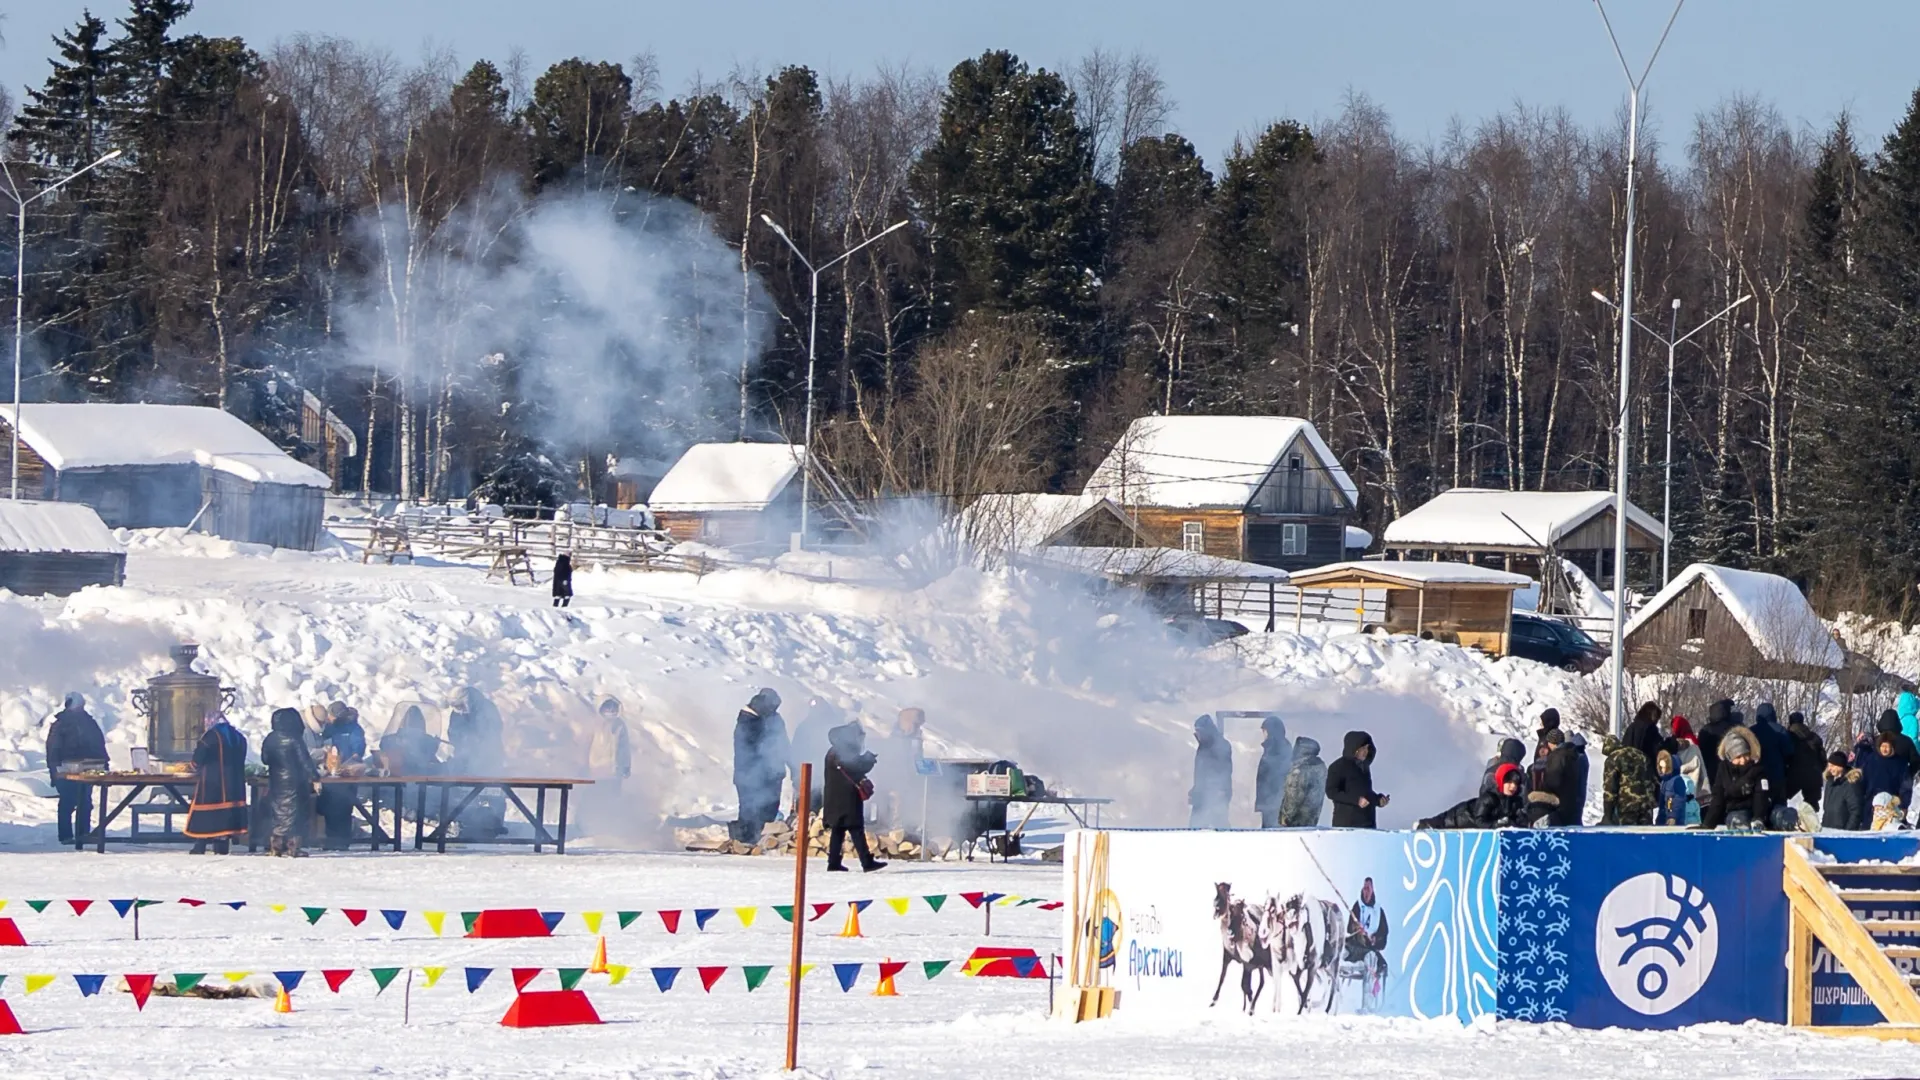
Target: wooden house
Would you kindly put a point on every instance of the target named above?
(1736, 622)
(1515, 529)
(731, 494)
(1454, 602)
(1259, 489)
(998, 528)
(328, 437)
(169, 466)
(52, 549)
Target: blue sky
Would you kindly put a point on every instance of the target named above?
(1232, 67)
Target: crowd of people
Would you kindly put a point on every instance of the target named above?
(1732, 773)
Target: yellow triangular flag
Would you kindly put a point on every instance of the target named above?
(592, 919)
(434, 919)
(1006, 900)
(3, 905)
(433, 975)
(37, 982)
(236, 976)
(278, 909)
(899, 904)
(804, 968)
(616, 972)
(973, 966)
(746, 914)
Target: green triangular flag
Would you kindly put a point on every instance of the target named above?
(935, 901)
(38, 906)
(184, 981)
(934, 967)
(469, 917)
(570, 977)
(147, 903)
(3, 980)
(313, 914)
(785, 911)
(383, 976)
(627, 917)
(756, 974)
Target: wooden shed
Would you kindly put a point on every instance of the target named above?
(1261, 489)
(1736, 622)
(1516, 529)
(169, 466)
(1456, 602)
(52, 549)
(731, 494)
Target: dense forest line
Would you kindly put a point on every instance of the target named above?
(502, 279)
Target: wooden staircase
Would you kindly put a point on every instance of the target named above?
(1818, 909)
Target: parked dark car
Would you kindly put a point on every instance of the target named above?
(1559, 644)
(1199, 630)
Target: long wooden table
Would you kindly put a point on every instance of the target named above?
(173, 796)
(366, 806)
(474, 786)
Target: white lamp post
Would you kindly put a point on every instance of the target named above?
(20, 289)
(1616, 706)
(813, 324)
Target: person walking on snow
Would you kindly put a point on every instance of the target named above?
(1350, 784)
(1270, 779)
(1212, 777)
(291, 778)
(73, 737)
(760, 763)
(1305, 792)
(218, 812)
(847, 792)
(562, 580)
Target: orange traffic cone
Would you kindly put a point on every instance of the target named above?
(852, 929)
(281, 1002)
(885, 989)
(599, 965)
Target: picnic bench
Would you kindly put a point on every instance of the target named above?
(1008, 841)
(456, 793)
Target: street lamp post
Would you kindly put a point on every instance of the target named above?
(1616, 705)
(1672, 342)
(20, 291)
(813, 324)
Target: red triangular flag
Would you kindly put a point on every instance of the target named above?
(335, 977)
(891, 968)
(709, 976)
(821, 909)
(973, 898)
(80, 906)
(523, 976)
(191, 902)
(354, 915)
(672, 921)
(140, 986)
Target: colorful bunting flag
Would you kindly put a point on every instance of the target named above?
(592, 919)
(383, 976)
(891, 968)
(552, 919)
(747, 915)
(899, 904)
(277, 909)
(570, 977)
(336, 977)
(356, 916)
(756, 974)
(469, 918)
(234, 904)
(1055, 905)
(313, 914)
(819, 910)
(973, 898)
(701, 915)
(933, 968)
(394, 918)
(523, 976)
(663, 977)
(433, 976)
(79, 906)
(190, 901)
(434, 919)
(616, 974)
(848, 974)
(289, 980)
(39, 906)
(805, 968)
(141, 987)
(627, 917)
(235, 976)
(935, 901)
(184, 981)
(476, 976)
(121, 907)
(671, 920)
(709, 976)
(785, 911)
(136, 903)
(1023, 965)
(860, 905)
(37, 983)
(89, 984)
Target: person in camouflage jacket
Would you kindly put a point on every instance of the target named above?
(1628, 793)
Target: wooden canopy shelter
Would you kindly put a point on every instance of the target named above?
(1456, 602)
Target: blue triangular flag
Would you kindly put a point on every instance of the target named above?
(702, 914)
(663, 977)
(394, 918)
(1023, 965)
(476, 976)
(289, 980)
(552, 919)
(860, 905)
(89, 984)
(121, 907)
(234, 904)
(992, 896)
(848, 974)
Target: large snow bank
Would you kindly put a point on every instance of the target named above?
(49, 527)
(88, 436)
(1189, 461)
(727, 476)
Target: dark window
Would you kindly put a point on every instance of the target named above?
(1696, 624)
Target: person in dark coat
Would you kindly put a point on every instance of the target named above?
(1212, 777)
(1720, 719)
(1270, 779)
(290, 782)
(74, 737)
(760, 763)
(1881, 769)
(1582, 767)
(1500, 808)
(1740, 798)
(1805, 770)
(1776, 750)
(1844, 804)
(1350, 784)
(844, 812)
(412, 750)
(1305, 792)
(1549, 721)
(1675, 792)
(344, 735)
(562, 580)
(1512, 752)
(1559, 775)
(219, 808)
(1644, 735)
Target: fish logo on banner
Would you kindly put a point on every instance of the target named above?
(1656, 939)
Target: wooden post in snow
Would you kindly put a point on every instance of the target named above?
(802, 839)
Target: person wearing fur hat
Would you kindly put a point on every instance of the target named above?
(1678, 804)
(1305, 793)
(1843, 804)
(1740, 798)
(760, 763)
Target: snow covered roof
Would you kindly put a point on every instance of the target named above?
(1479, 518)
(727, 476)
(54, 528)
(334, 424)
(1193, 461)
(1410, 574)
(1154, 562)
(91, 436)
(1783, 627)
